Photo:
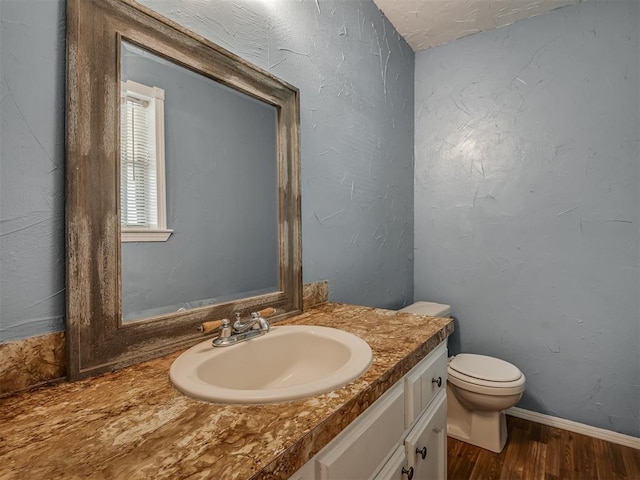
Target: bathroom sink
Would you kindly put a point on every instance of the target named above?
(288, 363)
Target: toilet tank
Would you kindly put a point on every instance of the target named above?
(431, 309)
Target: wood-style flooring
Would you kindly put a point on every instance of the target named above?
(536, 451)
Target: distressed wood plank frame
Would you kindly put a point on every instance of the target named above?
(97, 340)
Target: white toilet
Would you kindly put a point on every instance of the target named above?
(479, 388)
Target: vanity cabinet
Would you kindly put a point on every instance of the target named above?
(390, 438)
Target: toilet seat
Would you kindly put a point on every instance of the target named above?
(484, 367)
(486, 375)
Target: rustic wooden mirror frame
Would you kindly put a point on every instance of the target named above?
(97, 340)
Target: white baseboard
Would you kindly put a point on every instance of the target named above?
(595, 432)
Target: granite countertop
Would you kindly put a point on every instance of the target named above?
(133, 424)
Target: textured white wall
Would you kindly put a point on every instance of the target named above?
(527, 203)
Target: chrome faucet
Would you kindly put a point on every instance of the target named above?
(241, 331)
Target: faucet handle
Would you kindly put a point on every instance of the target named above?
(266, 312)
(225, 329)
(260, 322)
(207, 327)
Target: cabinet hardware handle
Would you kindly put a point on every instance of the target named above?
(422, 452)
(437, 380)
(408, 473)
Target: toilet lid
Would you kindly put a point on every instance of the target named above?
(430, 309)
(485, 368)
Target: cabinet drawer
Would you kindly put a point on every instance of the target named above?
(392, 470)
(360, 449)
(426, 443)
(420, 387)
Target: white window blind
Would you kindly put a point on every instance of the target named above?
(142, 178)
(138, 173)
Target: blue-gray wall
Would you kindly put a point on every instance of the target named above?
(32, 138)
(527, 203)
(355, 76)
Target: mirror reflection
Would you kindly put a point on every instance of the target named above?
(198, 189)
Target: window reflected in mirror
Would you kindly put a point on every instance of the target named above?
(142, 180)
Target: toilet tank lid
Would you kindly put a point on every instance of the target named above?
(483, 367)
(430, 309)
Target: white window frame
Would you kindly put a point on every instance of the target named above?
(159, 233)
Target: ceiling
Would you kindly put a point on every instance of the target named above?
(425, 23)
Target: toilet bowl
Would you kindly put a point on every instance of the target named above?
(479, 388)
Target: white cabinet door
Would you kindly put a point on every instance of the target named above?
(426, 444)
(359, 451)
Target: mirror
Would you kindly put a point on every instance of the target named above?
(216, 146)
(223, 234)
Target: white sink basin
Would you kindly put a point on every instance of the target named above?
(287, 363)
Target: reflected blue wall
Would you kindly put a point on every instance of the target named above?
(222, 196)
